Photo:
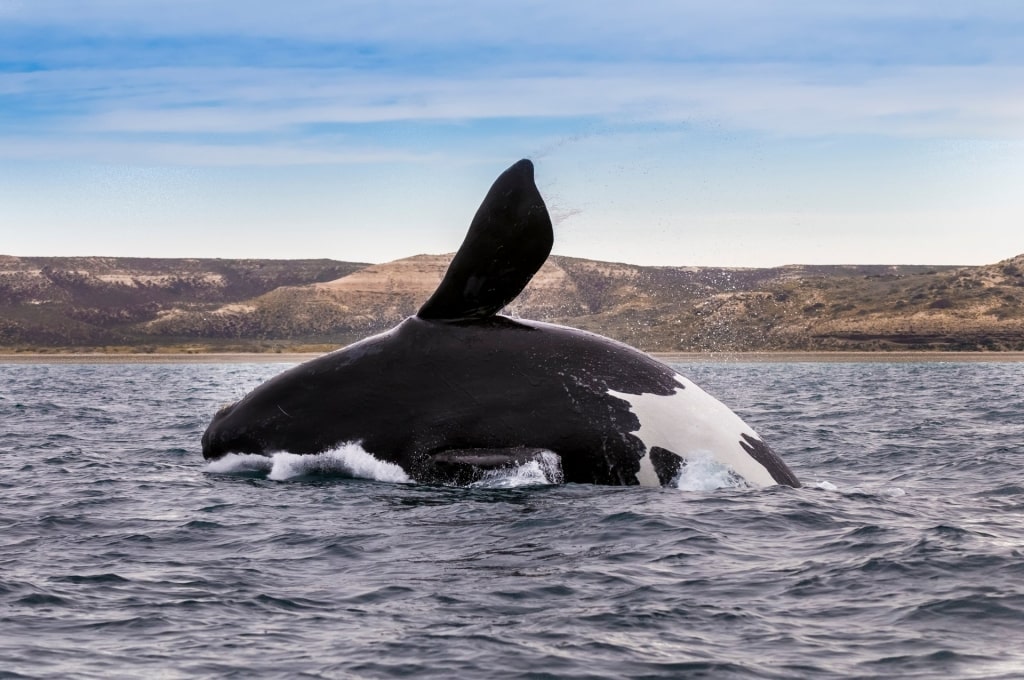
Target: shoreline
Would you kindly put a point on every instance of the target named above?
(788, 357)
(668, 357)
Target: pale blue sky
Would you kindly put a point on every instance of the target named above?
(684, 133)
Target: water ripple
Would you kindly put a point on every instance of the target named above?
(903, 556)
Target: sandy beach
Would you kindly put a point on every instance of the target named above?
(670, 357)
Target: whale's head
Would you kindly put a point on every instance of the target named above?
(313, 406)
(221, 438)
(241, 428)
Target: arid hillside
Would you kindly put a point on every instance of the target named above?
(193, 305)
(100, 301)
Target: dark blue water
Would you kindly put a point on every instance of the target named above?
(122, 554)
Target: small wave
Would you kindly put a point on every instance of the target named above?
(545, 471)
(894, 491)
(347, 461)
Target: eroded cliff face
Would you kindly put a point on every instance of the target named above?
(263, 304)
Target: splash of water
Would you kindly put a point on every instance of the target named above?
(704, 473)
(348, 460)
(547, 469)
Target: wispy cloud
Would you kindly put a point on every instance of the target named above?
(308, 69)
(325, 106)
(679, 28)
(149, 152)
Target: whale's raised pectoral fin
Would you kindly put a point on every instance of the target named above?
(508, 241)
(463, 466)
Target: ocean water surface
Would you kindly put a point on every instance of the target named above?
(123, 554)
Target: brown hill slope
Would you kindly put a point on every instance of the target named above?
(862, 307)
(88, 301)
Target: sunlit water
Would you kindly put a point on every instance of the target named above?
(124, 554)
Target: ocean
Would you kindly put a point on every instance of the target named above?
(123, 554)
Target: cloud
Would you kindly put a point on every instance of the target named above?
(148, 152)
(453, 35)
(303, 80)
(979, 101)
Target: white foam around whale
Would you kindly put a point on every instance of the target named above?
(347, 460)
(547, 470)
(350, 460)
(702, 472)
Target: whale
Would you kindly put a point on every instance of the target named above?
(459, 389)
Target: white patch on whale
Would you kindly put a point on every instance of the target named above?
(693, 425)
(347, 460)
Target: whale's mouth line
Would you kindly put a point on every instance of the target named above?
(466, 467)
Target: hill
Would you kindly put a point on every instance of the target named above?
(278, 304)
(103, 301)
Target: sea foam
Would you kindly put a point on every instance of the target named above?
(704, 473)
(348, 460)
(547, 469)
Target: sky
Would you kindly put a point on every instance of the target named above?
(732, 133)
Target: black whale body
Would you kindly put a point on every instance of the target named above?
(458, 388)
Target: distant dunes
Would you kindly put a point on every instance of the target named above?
(137, 304)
